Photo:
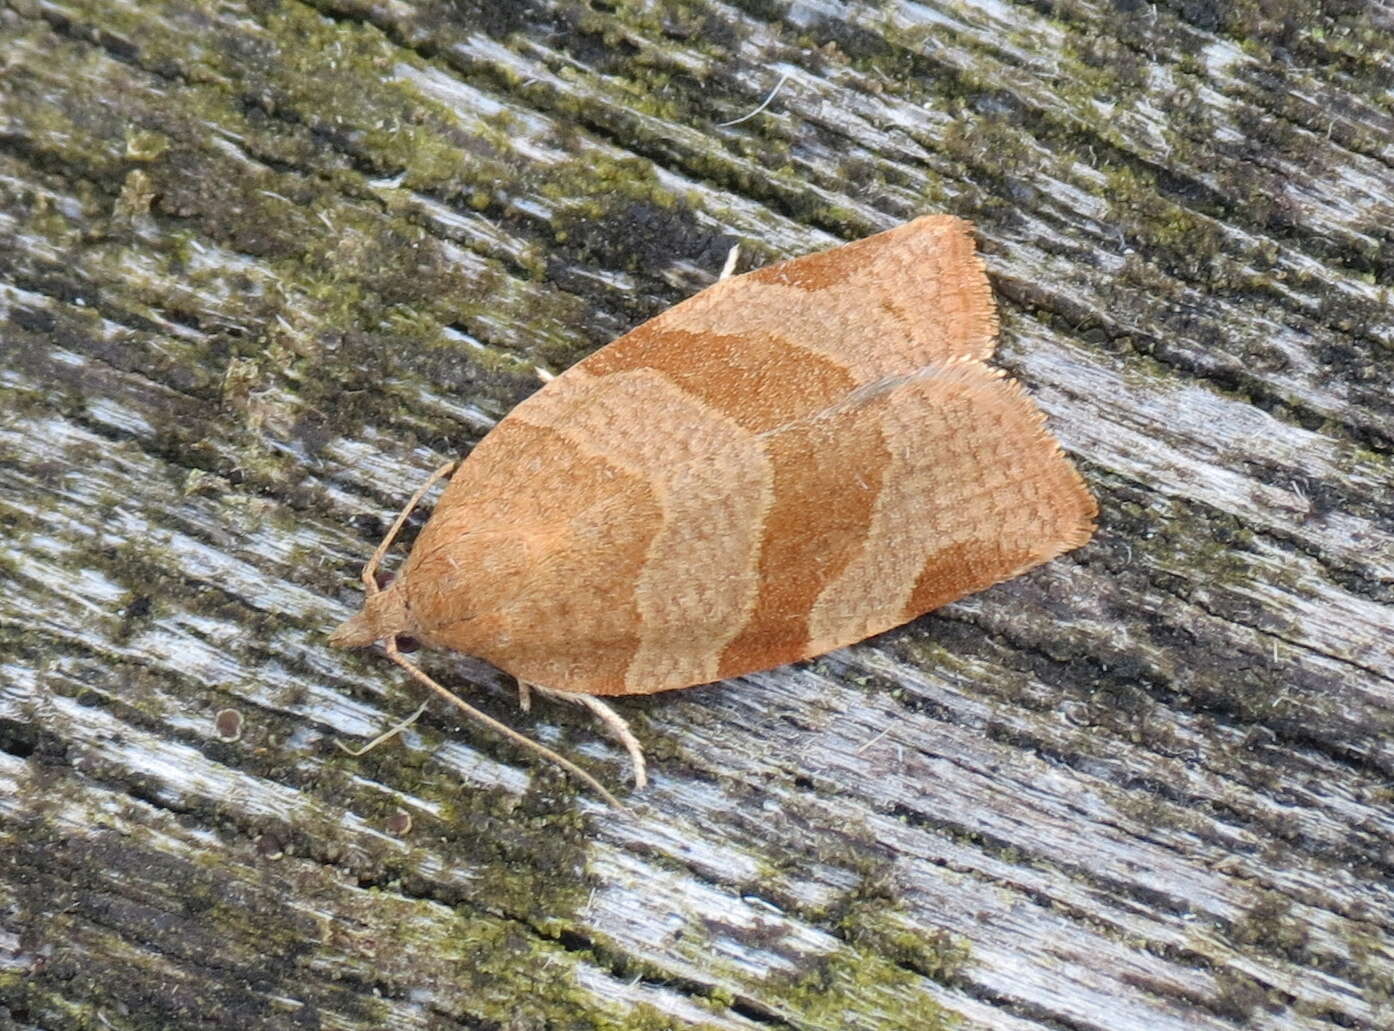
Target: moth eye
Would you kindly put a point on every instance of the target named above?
(383, 579)
(407, 643)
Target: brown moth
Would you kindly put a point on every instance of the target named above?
(788, 462)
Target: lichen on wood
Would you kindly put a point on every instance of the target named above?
(267, 264)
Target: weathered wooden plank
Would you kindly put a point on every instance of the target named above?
(264, 265)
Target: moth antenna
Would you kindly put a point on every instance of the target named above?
(369, 574)
(418, 674)
(613, 721)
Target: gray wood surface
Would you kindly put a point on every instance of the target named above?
(263, 265)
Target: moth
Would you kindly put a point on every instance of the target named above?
(788, 462)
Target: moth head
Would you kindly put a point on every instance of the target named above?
(384, 614)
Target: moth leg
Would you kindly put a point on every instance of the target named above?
(419, 675)
(524, 696)
(727, 270)
(617, 726)
(614, 723)
(370, 570)
(732, 256)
